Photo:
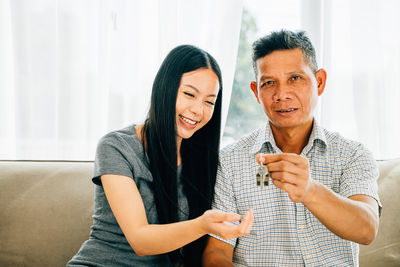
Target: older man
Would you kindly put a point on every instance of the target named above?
(323, 197)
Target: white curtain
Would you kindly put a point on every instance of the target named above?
(359, 45)
(72, 70)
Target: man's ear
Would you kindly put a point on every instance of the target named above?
(254, 88)
(321, 76)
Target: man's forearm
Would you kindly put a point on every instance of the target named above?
(216, 258)
(217, 253)
(350, 219)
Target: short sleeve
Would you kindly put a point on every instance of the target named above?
(110, 158)
(359, 175)
(224, 199)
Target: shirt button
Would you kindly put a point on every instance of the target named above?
(308, 256)
(301, 227)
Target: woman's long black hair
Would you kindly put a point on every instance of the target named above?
(199, 153)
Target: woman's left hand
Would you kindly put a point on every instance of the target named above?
(221, 223)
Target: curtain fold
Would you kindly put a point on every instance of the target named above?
(70, 71)
(359, 46)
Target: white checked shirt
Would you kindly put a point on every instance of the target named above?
(286, 233)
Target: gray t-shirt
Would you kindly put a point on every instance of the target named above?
(120, 152)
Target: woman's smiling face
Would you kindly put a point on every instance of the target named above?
(195, 101)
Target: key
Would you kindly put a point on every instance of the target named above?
(262, 175)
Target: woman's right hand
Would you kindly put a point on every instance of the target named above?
(221, 223)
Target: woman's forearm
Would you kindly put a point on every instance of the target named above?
(154, 239)
(150, 239)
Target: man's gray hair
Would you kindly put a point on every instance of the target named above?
(285, 40)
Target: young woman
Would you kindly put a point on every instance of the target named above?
(155, 181)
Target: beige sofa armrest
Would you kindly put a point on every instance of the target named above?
(385, 250)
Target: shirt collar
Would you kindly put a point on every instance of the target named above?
(317, 136)
(266, 136)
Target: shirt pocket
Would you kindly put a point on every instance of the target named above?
(328, 176)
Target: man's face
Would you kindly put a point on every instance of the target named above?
(287, 88)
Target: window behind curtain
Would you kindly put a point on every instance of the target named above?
(357, 42)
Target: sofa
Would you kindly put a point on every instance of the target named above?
(46, 210)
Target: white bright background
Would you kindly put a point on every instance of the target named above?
(70, 71)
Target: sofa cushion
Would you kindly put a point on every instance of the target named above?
(385, 250)
(46, 210)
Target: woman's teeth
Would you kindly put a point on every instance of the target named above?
(189, 121)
